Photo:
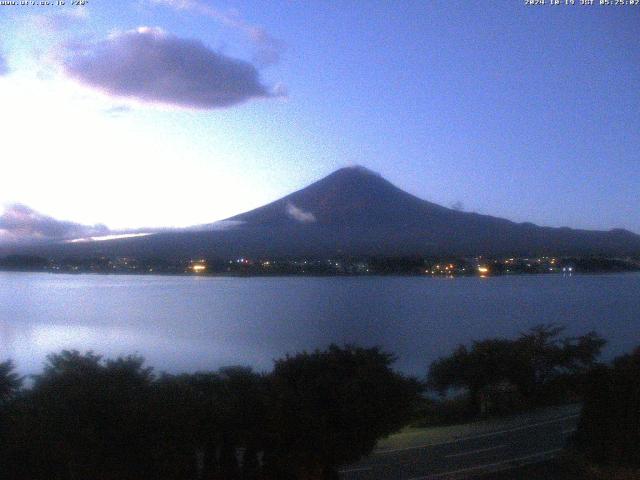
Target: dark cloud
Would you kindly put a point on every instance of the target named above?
(150, 65)
(20, 223)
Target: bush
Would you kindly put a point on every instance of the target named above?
(444, 411)
(609, 428)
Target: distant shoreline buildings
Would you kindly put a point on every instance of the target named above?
(479, 266)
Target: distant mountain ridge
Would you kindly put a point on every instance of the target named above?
(354, 211)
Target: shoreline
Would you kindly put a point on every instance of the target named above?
(320, 275)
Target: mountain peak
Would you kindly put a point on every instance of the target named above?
(352, 195)
(354, 173)
(353, 169)
(355, 178)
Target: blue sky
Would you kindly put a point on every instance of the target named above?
(177, 112)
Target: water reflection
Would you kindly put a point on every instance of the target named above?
(186, 323)
(30, 346)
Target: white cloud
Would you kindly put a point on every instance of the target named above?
(299, 214)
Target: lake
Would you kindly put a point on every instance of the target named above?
(185, 323)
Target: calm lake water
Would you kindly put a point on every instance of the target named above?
(196, 323)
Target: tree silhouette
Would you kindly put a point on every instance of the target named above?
(533, 363)
(330, 407)
(89, 417)
(213, 416)
(487, 363)
(10, 382)
(82, 418)
(609, 427)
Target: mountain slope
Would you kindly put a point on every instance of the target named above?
(354, 211)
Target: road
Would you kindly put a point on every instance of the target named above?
(525, 440)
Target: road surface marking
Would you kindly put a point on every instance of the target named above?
(487, 465)
(471, 452)
(484, 435)
(567, 431)
(353, 470)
